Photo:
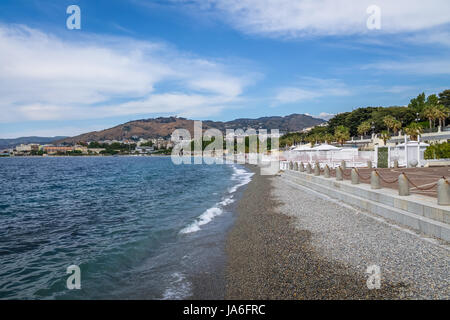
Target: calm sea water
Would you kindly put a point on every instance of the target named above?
(138, 227)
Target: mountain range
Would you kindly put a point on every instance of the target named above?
(163, 127)
(10, 143)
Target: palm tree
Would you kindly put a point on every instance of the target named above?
(414, 130)
(385, 136)
(321, 137)
(341, 134)
(396, 126)
(312, 139)
(363, 128)
(389, 122)
(328, 138)
(430, 113)
(441, 114)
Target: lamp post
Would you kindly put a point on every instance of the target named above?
(418, 141)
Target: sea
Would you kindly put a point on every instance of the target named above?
(137, 227)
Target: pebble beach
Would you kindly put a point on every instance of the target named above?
(291, 243)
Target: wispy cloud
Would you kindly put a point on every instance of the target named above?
(298, 18)
(429, 66)
(43, 77)
(434, 37)
(308, 88)
(323, 115)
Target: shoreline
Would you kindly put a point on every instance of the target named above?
(209, 281)
(269, 258)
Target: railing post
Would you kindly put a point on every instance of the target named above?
(443, 191)
(302, 167)
(369, 164)
(374, 180)
(326, 172)
(355, 177)
(295, 166)
(291, 165)
(403, 185)
(339, 174)
(343, 165)
(317, 169)
(308, 168)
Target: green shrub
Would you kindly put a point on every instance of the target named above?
(382, 157)
(438, 151)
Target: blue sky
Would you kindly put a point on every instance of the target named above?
(215, 59)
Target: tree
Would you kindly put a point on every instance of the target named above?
(432, 100)
(414, 130)
(385, 136)
(441, 114)
(396, 126)
(341, 134)
(364, 127)
(430, 113)
(444, 98)
(328, 138)
(147, 144)
(418, 104)
(389, 122)
(313, 139)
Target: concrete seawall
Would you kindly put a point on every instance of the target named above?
(415, 211)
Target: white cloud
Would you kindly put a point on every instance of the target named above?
(49, 132)
(309, 89)
(297, 18)
(439, 37)
(436, 66)
(43, 77)
(292, 94)
(323, 115)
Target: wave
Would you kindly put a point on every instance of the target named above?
(205, 218)
(179, 288)
(243, 177)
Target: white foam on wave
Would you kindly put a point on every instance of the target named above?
(205, 218)
(179, 288)
(227, 201)
(242, 177)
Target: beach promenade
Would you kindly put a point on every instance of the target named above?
(289, 242)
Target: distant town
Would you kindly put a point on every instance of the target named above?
(135, 146)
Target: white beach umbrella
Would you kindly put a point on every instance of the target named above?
(326, 147)
(412, 143)
(304, 147)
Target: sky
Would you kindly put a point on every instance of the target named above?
(212, 59)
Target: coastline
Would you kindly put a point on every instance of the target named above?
(208, 280)
(269, 258)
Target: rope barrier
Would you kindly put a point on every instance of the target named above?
(332, 171)
(363, 178)
(346, 174)
(420, 188)
(384, 180)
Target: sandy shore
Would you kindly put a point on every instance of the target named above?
(289, 244)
